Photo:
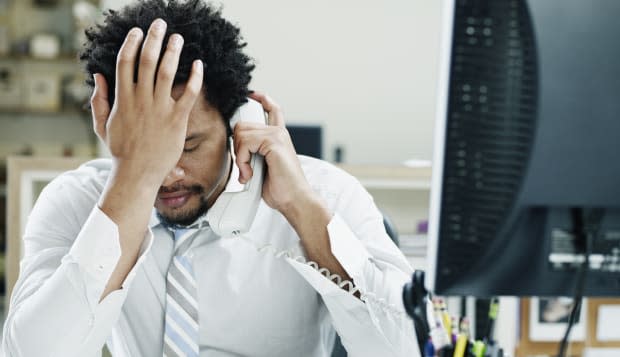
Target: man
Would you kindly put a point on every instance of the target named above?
(102, 257)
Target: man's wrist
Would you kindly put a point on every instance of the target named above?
(133, 172)
(132, 180)
(128, 190)
(308, 208)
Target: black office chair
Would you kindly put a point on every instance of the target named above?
(390, 229)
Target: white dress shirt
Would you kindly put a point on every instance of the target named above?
(254, 299)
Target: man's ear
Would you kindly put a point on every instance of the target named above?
(100, 106)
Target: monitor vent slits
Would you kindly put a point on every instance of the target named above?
(490, 125)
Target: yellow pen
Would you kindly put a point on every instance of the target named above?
(438, 333)
(461, 343)
(445, 317)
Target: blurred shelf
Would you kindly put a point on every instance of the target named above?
(391, 177)
(65, 57)
(413, 245)
(7, 113)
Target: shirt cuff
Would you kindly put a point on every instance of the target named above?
(97, 250)
(349, 252)
(348, 249)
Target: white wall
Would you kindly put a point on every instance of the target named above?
(364, 69)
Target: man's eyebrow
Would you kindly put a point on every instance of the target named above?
(195, 136)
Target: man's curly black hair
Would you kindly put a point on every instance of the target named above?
(207, 36)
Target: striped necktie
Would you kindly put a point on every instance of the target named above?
(181, 323)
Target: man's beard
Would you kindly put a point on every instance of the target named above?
(185, 216)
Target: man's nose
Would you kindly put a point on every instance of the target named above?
(176, 174)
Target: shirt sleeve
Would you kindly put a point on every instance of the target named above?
(66, 264)
(375, 324)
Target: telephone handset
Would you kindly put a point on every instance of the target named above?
(233, 212)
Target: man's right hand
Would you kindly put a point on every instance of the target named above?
(145, 131)
(145, 128)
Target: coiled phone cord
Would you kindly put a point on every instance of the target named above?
(346, 285)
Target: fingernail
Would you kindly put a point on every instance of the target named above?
(198, 65)
(134, 33)
(159, 24)
(177, 41)
(95, 78)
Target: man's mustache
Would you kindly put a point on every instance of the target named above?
(178, 187)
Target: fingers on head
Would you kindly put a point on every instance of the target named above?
(149, 56)
(192, 88)
(126, 59)
(169, 65)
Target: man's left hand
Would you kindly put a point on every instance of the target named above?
(285, 184)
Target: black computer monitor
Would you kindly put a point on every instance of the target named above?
(527, 159)
(307, 139)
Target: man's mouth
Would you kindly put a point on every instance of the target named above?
(174, 199)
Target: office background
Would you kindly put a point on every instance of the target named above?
(364, 71)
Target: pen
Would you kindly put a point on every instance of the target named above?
(464, 326)
(493, 309)
(440, 337)
(447, 322)
(429, 350)
(455, 329)
(439, 319)
(478, 349)
(461, 344)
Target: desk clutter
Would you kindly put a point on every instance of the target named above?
(449, 335)
(441, 334)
